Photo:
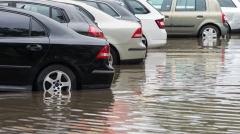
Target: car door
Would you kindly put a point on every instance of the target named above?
(188, 15)
(165, 7)
(231, 8)
(23, 43)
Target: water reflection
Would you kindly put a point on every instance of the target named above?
(187, 86)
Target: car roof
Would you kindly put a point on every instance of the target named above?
(48, 22)
(45, 2)
(56, 29)
(124, 13)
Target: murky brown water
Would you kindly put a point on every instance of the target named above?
(187, 86)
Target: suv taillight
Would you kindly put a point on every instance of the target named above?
(160, 23)
(223, 18)
(138, 33)
(95, 32)
(104, 53)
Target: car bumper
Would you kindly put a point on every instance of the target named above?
(132, 61)
(157, 43)
(156, 38)
(224, 28)
(134, 49)
(99, 79)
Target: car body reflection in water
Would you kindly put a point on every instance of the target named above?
(187, 86)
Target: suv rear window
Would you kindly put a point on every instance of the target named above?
(191, 5)
(161, 5)
(226, 3)
(137, 7)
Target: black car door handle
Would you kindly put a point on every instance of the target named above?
(200, 16)
(34, 47)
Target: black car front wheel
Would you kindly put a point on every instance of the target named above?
(56, 78)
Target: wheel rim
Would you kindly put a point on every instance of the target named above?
(209, 42)
(209, 33)
(110, 59)
(56, 81)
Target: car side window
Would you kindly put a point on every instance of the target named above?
(137, 7)
(185, 5)
(85, 12)
(57, 15)
(161, 5)
(226, 3)
(14, 25)
(107, 9)
(37, 29)
(35, 8)
(93, 4)
(191, 5)
(3, 4)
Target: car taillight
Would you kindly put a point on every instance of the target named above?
(104, 53)
(138, 33)
(95, 32)
(224, 18)
(160, 23)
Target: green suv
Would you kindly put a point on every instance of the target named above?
(202, 18)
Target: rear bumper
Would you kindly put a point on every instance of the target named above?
(132, 61)
(224, 28)
(99, 79)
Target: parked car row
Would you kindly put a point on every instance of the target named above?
(61, 45)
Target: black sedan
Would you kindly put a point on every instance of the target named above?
(39, 52)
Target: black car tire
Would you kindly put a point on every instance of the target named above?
(53, 68)
(206, 27)
(114, 56)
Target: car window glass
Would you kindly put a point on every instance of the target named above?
(3, 4)
(93, 4)
(85, 12)
(123, 3)
(200, 5)
(137, 7)
(57, 15)
(37, 29)
(226, 3)
(185, 5)
(14, 25)
(107, 9)
(35, 8)
(161, 5)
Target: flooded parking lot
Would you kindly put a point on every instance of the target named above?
(188, 86)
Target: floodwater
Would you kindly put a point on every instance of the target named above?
(188, 86)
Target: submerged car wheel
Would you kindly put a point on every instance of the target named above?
(113, 60)
(56, 78)
(209, 31)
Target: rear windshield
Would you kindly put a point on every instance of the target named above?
(226, 3)
(137, 7)
(85, 12)
(124, 11)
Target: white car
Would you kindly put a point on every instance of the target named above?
(152, 22)
(231, 8)
(124, 36)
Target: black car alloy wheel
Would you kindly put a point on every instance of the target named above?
(56, 78)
